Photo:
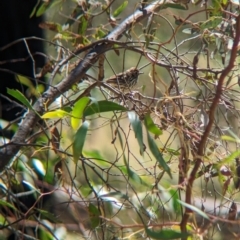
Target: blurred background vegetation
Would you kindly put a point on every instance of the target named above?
(103, 163)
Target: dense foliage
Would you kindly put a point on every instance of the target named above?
(136, 134)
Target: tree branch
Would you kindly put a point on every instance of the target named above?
(8, 152)
(201, 146)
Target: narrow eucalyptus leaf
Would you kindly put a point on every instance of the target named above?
(137, 128)
(193, 208)
(166, 234)
(79, 140)
(103, 106)
(158, 155)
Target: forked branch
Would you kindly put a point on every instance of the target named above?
(202, 144)
(8, 151)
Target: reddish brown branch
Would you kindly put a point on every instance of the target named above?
(202, 144)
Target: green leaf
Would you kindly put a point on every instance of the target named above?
(230, 139)
(172, 151)
(79, 141)
(86, 190)
(132, 175)
(48, 215)
(7, 204)
(21, 98)
(211, 23)
(31, 187)
(176, 204)
(56, 114)
(176, 6)
(3, 221)
(47, 5)
(42, 9)
(97, 157)
(229, 159)
(135, 177)
(67, 109)
(216, 4)
(120, 9)
(43, 233)
(94, 214)
(151, 126)
(27, 82)
(195, 209)
(86, 41)
(137, 128)
(165, 234)
(83, 25)
(100, 34)
(94, 154)
(39, 89)
(103, 106)
(127, 170)
(158, 155)
(77, 112)
(34, 9)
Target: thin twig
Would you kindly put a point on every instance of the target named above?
(202, 144)
(7, 153)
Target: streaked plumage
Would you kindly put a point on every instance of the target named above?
(125, 80)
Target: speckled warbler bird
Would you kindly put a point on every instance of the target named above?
(125, 80)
